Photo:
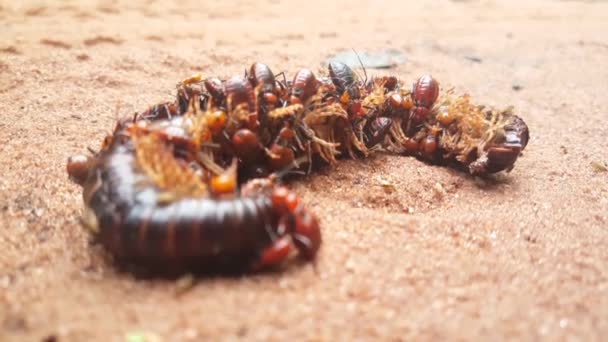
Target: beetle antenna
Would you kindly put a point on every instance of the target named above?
(362, 66)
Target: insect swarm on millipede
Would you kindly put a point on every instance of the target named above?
(146, 205)
(194, 181)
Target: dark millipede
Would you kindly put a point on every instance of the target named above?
(197, 180)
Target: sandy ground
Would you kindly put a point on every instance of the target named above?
(519, 256)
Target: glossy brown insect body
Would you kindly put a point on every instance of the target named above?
(343, 78)
(303, 87)
(264, 83)
(78, 167)
(239, 92)
(261, 77)
(246, 145)
(376, 130)
(215, 88)
(502, 153)
(348, 88)
(424, 93)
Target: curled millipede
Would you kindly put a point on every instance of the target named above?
(150, 209)
(195, 180)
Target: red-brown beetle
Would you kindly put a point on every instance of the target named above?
(501, 153)
(246, 145)
(343, 77)
(238, 92)
(215, 88)
(304, 86)
(261, 77)
(348, 88)
(268, 97)
(424, 94)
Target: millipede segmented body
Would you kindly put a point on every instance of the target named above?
(138, 221)
(195, 180)
(132, 224)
